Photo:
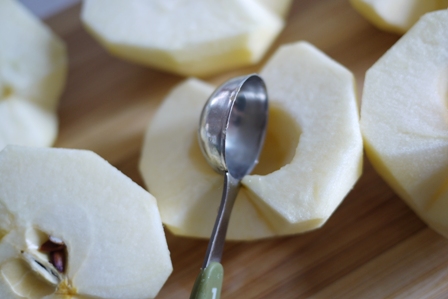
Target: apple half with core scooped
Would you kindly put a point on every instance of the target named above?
(404, 118)
(311, 159)
(192, 38)
(73, 226)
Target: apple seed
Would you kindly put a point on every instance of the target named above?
(56, 250)
(57, 259)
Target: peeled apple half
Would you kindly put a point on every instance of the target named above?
(72, 226)
(33, 65)
(396, 16)
(192, 38)
(311, 159)
(404, 118)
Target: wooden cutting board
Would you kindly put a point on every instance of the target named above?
(374, 246)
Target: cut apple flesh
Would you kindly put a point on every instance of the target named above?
(396, 15)
(280, 7)
(311, 159)
(404, 118)
(173, 167)
(197, 38)
(113, 241)
(33, 64)
(25, 123)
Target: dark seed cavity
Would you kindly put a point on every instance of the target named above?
(49, 246)
(56, 254)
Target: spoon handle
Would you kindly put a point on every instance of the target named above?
(208, 283)
(218, 237)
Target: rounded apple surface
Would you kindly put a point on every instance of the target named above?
(311, 159)
(33, 64)
(196, 38)
(404, 118)
(396, 16)
(72, 225)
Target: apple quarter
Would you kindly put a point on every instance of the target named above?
(311, 159)
(104, 228)
(33, 65)
(404, 118)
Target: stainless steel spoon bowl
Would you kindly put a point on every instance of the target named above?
(231, 133)
(233, 124)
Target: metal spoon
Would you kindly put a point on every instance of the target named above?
(231, 134)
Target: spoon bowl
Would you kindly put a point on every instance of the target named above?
(233, 124)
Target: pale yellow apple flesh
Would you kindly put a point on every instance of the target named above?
(111, 227)
(22, 122)
(33, 64)
(196, 38)
(396, 15)
(319, 96)
(280, 7)
(311, 159)
(173, 167)
(404, 118)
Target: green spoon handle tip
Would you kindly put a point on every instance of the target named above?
(209, 282)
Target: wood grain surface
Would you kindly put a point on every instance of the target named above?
(373, 246)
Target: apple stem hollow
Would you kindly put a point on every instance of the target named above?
(6, 92)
